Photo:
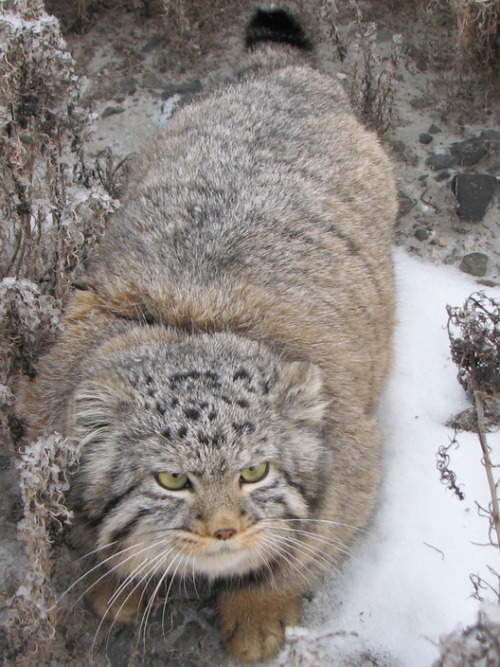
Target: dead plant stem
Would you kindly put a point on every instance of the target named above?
(495, 508)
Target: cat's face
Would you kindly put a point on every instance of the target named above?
(200, 457)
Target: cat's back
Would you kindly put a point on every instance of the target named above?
(267, 208)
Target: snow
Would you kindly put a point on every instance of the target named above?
(407, 582)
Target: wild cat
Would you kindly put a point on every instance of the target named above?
(220, 362)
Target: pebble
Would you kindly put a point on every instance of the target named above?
(425, 138)
(152, 44)
(491, 136)
(438, 161)
(422, 234)
(442, 176)
(434, 129)
(475, 263)
(470, 151)
(405, 204)
(474, 193)
(189, 88)
(152, 80)
(111, 111)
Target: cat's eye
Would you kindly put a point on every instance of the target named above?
(255, 473)
(173, 481)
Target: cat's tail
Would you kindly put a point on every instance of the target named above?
(274, 39)
(276, 26)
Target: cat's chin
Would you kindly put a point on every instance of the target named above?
(227, 562)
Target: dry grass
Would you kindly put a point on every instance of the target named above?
(478, 26)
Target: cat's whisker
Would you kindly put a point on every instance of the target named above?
(120, 589)
(153, 596)
(312, 553)
(103, 547)
(86, 574)
(147, 612)
(265, 559)
(285, 553)
(308, 520)
(323, 539)
(341, 547)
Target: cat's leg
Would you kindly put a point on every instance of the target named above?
(113, 601)
(252, 621)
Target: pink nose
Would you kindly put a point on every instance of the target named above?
(224, 533)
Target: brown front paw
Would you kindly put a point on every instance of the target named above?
(253, 623)
(110, 600)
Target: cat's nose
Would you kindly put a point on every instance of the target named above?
(224, 533)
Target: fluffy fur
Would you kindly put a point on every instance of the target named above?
(238, 314)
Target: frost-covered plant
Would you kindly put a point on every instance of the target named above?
(53, 211)
(43, 470)
(28, 322)
(474, 332)
(53, 204)
(478, 645)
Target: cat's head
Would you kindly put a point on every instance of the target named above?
(197, 456)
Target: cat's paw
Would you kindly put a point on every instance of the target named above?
(253, 623)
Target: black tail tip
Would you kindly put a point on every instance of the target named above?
(276, 25)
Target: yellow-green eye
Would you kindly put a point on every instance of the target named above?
(254, 473)
(173, 481)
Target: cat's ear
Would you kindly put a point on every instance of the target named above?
(302, 399)
(96, 410)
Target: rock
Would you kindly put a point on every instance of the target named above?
(434, 129)
(470, 151)
(111, 111)
(152, 80)
(152, 44)
(405, 204)
(439, 161)
(188, 88)
(425, 138)
(474, 263)
(442, 176)
(474, 193)
(398, 146)
(384, 35)
(422, 234)
(492, 136)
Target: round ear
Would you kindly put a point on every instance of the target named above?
(302, 398)
(97, 408)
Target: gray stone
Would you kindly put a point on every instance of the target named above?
(474, 193)
(111, 111)
(438, 161)
(470, 151)
(474, 263)
(188, 88)
(422, 234)
(425, 138)
(491, 135)
(434, 129)
(152, 80)
(152, 44)
(405, 204)
(442, 176)
(384, 35)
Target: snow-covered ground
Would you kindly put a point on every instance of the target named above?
(408, 580)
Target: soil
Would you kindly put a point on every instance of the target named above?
(135, 70)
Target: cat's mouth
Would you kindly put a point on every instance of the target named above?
(215, 558)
